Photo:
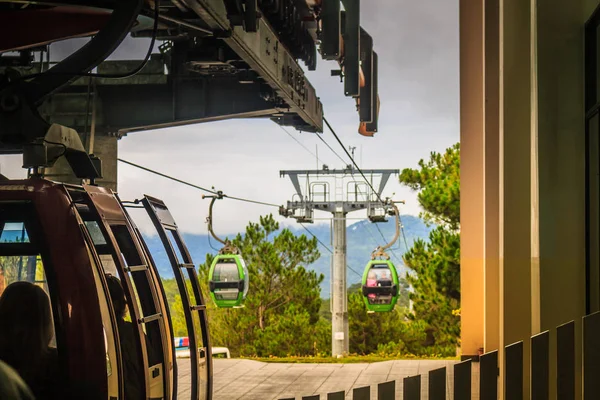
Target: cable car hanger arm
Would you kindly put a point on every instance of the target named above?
(380, 251)
(228, 247)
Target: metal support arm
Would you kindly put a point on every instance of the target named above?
(89, 56)
(20, 122)
(228, 248)
(380, 251)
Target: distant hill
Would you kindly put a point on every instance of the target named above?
(363, 237)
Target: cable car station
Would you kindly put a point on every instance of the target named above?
(66, 231)
(529, 167)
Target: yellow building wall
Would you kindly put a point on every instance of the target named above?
(561, 141)
(471, 182)
(528, 137)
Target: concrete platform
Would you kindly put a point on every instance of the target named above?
(253, 380)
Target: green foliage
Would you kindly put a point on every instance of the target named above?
(385, 334)
(436, 263)
(437, 287)
(175, 307)
(438, 184)
(325, 311)
(281, 313)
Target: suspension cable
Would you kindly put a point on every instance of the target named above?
(330, 148)
(196, 186)
(352, 159)
(300, 143)
(327, 247)
(363, 175)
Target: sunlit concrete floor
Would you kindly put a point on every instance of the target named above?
(254, 380)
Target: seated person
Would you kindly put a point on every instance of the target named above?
(385, 281)
(371, 282)
(26, 329)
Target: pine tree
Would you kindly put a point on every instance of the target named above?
(281, 313)
(436, 262)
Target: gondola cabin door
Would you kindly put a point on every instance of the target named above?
(112, 331)
(194, 306)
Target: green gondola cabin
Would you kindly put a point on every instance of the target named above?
(228, 280)
(380, 286)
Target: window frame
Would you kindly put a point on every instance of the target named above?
(39, 247)
(91, 210)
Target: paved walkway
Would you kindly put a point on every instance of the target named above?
(253, 380)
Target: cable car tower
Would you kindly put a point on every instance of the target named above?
(350, 193)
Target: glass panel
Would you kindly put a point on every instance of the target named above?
(155, 359)
(383, 275)
(173, 242)
(379, 275)
(145, 299)
(95, 232)
(202, 367)
(14, 232)
(180, 328)
(226, 294)
(129, 340)
(28, 268)
(226, 271)
(173, 301)
(246, 277)
(126, 245)
(198, 325)
(110, 332)
(164, 215)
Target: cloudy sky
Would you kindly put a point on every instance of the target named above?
(417, 43)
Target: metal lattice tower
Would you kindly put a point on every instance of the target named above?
(350, 193)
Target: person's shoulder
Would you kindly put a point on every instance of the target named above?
(11, 384)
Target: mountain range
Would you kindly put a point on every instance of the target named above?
(362, 238)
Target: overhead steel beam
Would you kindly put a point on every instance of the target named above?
(374, 124)
(331, 29)
(89, 56)
(134, 107)
(265, 54)
(338, 172)
(351, 47)
(366, 100)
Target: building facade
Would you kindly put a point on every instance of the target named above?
(530, 165)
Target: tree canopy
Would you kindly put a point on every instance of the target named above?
(438, 184)
(436, 262)
(281, 312)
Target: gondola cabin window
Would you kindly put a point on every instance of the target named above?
(25, 265)
(21, 261)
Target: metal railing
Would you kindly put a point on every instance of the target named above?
(539, 381)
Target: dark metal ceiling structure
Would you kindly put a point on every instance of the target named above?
(219, 59)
